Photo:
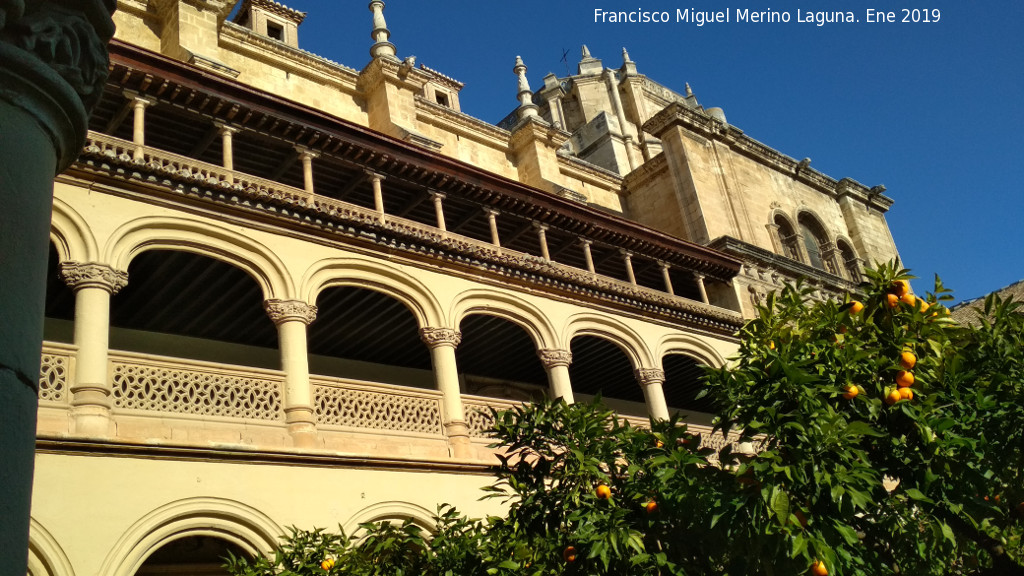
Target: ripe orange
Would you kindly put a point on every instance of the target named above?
(603, 491)
(851, 392)
(892, 300)
(651, 507)
(921, 304)
(771, 345)
(819, 569)
(908, 299)
(904, 379)
(893, 397)
(658, 443)
(900, 287)
(327, 564)
(569, 554)
(856, 307)
(906, 394)
(907, 360)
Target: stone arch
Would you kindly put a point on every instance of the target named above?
(785, 236)
(690, 346)
(71, 234)
(392, 510)
(45, 555)
(229, 520)
(374, 276)
(614, 331)
(156, 233)
(816, 239)
(507, 307)
(848, 257)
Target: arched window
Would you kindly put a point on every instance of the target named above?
(851, 264)
(787, 237)
(816, 243)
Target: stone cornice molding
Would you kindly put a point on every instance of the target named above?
(649, 376)
(221, 8)
(281, 311)
(435, 337)
(301, 61)
(693, 120)
(461, 123)
(55, 64)
(534, 128)
(552, 358)
(390, 69)
(275, 8)
(80, 275)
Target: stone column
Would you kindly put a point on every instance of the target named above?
(438, 199)
(442, 343)
(378, 194)
(613, 89)
(542, 238)
(93, 284)
(139, 128)
(627, 259)
(652, 381)
(588, 256)
(492, 220)
(227, 144)
(556, 363)
(53, 64)
(306, 156)
(703, 289)
(291, 318)
(667, 278)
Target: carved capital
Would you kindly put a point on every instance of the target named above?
(552, 358)
(55, 64)
(79, 275)
(648, 376)
(281, 311)
(434, 337)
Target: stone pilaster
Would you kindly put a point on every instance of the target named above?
(652, 381)
(93, 284)
(442, 343)
(556, 363)
(53, 64)
(291, 318)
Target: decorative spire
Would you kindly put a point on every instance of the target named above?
(689, 91)
(586, 52)
(380, 34)
(625, 56)
(588, 64)
(628, 66)
(525, 95)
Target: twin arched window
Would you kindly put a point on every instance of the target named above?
(809, 243)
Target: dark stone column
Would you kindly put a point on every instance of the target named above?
(53, 63)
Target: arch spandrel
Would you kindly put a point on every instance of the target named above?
(614, 331)
(508, 307)
(230, 520)
(692, 346)
(221, 243)
(377, 276)
(71, 234)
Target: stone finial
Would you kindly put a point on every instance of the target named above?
(586, 52)
(526, 106)
(381, 48)
(625, 55)
(588, 64)
(689, 91)
(628, 66)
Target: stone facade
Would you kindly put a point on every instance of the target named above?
(285, 291)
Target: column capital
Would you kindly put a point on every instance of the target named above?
(139, 99)
(625, 253)
(281, 311)
(491, 212)
(226, 128)
(306, 152)
(435, 337)
(586, 241)
(551, 358)
(437, 195)
(540, 226)
(92, 275)
(375, 175)
(648, 376)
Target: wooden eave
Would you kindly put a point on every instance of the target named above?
(168, 80)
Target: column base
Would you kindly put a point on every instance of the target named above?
(90, 414)
(302, 427)
(458, 439)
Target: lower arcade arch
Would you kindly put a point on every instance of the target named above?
(601, 367)
(197, 555)
(498, 358)
(684, 382)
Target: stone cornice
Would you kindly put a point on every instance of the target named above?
(462, 124)
(592, 173)
(281, 10)
(300, 60)
(790, 268)
(443, 78)
(700, 123)
(533, 129)
(394, 71)
(79, 275)
(653, 168)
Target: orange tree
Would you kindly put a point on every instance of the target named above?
(888, 440)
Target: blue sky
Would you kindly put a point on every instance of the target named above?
(932, 110)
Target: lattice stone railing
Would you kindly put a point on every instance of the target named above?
(478, 413)
(54, 367)
(187, 387)
(347, 404)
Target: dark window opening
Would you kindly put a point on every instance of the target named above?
(275, 31)
(442, 99)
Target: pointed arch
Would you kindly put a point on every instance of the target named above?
(508, 307)
(376, 276)
(71, 234)
(187, 235)
(229, 520)
(624, 337)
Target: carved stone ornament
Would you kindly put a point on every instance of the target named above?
(552, 358)
(648, 376)
(290, 310)
(434, 337)
(91, 275)
(55, 64)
